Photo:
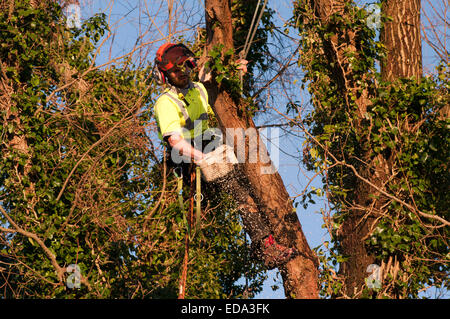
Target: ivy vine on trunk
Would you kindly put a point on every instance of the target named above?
(382, 144)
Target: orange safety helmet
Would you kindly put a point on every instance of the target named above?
(170, 55)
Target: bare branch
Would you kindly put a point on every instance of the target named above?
(59, 270)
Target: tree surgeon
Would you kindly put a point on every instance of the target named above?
(182, 113)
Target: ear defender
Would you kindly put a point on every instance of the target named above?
(158, 75)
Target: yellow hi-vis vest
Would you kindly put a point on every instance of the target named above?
(186, 115)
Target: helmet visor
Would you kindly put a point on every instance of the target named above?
(175, 57)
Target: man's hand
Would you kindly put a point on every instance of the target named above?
(186, 149)
(242, 65)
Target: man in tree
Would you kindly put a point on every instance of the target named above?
(182, 114)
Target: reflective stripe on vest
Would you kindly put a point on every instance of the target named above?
(189, 124)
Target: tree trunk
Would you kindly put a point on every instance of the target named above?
(401, 37)
(300, 275)
(402, 40)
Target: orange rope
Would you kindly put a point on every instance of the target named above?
(182, 291)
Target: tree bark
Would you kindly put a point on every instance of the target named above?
(401, 37)
(300, 274)
(402, 40)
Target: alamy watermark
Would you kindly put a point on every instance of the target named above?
(374, 280)
(74, 279)
(73, 12)
(374, 18)
(249, 145)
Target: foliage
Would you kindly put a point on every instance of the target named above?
(81, 183)
(402, 127)
(224, 68)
